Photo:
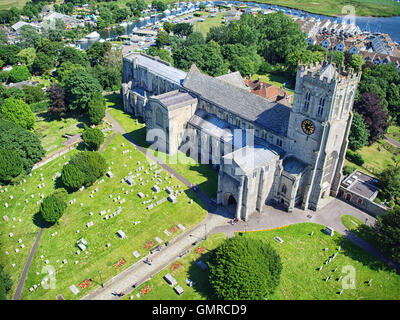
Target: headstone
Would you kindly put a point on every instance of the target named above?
(181, 227)
(170, 279)
(178, 290)
(329, 231)
(121, 234)
(91, 223)
(159, 240)
(278, 239)
(136, 254)
(74, 289)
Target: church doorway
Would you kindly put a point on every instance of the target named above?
(230, 202)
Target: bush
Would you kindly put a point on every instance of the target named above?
(92, 166)
(244, 269)
(52, 208)
(40, 106)
(10, 165)
(355, 157)
(33, 94)
(93, 138)
(5, 283)
(72, 177)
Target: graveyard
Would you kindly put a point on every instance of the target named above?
(304, 249)
(106, 227)
(202, 175)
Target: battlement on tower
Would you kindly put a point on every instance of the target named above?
(327, 73)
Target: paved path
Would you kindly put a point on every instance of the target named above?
(217, 221)
(17, 294)
(392, 141)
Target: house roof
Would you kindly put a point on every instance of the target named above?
(270, 115)
(234, 78)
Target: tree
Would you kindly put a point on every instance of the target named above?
(388, 233)
(52, 208)
(357, 61)
(18, 74)
(5, 283)
(29, 36)
(338, 58)
(74, 56)
(370, 108)
(56, 94)
(91, 164)
(195, 38)
(79, 89)
(159, 4)
(33, 94)
(359, 133)
(27, 56)
(43, 63)
(96, 109)
(18, 112)
(162, 39)
(72, 177)
(93, 138)
(96, 51)
(243, 268)
(26, 144)
(10, 165)
(66, 68)
(8, 53)
(183, 29)
(389, 183)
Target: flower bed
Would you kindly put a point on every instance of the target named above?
(120, 263)
(149, 244)
(175, 266)
(85, 283)
(200, 250)
(145, 290)
(173, 229)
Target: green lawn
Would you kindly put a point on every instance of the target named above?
(209, 22)
(62, 246)
(302, 255)
(334, 7)
(377, 157)
(394, 132)
(187, 269)
(202, 175)
(359, 228)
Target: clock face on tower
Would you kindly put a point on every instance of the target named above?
(308, 126)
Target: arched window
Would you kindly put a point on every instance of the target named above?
(321, 106)
(284, 189)
(307, 101)
(159, 117)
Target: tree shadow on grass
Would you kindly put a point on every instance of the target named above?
(38, 221)
(350, 248)
(138, 137)
(200, 277)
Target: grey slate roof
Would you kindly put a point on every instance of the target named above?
(159, 68)
(270, 115)
(235, 79)
(175, 98)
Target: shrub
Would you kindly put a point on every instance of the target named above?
(355, 157)
(72, 177)
(40, 106)
(52, 208)
(244, 268)
(10, 165)
(92, 166)
(93, 138)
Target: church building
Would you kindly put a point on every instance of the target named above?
(265, 152)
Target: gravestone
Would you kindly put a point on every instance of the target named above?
(329, 231)
(74, 289)
(136, 254)
(121, 234)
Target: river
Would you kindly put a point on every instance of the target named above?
(390, 25)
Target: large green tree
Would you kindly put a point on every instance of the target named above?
(18, 112)
(18, 74)
(359, 133)
(25, 143)
(389, 183)
(52, 208)
(97, 109)
(243, 268)
(72, 177)
(79, 88)
(93, 138)
(388, 233)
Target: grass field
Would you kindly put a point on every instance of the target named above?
(377, 156)
(62, 246)
(209, 22)
(182, 269)
(302, 255)
(394, 132)
(359, 228)
(202, 175)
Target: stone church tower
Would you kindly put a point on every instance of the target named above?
(319, 126)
